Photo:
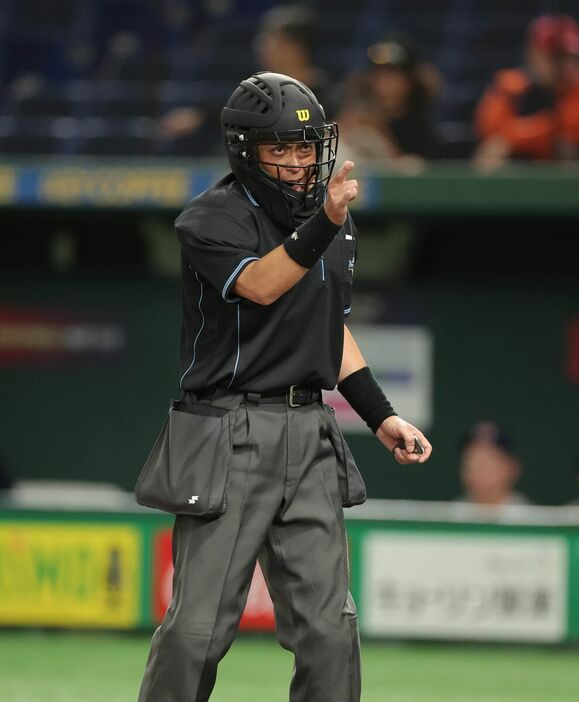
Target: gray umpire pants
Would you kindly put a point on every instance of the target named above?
(284, 508)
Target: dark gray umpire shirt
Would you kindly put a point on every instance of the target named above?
(231, 342)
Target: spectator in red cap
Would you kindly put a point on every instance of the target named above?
(533, 112)
(489, 467)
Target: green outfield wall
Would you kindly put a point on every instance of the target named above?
(89, 358)
(92, 412)
(418, 570)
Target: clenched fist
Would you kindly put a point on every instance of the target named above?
(340, 193)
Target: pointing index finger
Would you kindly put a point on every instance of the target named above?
(346, 167)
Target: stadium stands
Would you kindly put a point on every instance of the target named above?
(65, 63)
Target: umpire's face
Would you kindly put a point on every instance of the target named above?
(292, 164)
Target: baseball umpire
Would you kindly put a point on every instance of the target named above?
(267, 263)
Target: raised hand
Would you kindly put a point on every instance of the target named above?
(340, 193)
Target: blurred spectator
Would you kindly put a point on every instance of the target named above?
(284, 43)
(568, 134)
(533, 112)
(386, 110)
(181, 121)
(489, 467)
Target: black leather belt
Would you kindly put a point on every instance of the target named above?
(294, 396)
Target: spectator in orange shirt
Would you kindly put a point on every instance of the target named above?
(568, 107)
(533, 112)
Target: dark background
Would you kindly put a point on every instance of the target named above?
(498, 295)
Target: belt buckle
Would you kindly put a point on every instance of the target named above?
(290, 397)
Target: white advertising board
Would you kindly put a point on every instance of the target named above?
(401, 358)
(464, 587)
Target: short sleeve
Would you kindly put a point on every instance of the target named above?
(217, 246)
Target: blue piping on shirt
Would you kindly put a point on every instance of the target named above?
(231, 278)
(198, 333)
(250, 196)
(238, 349)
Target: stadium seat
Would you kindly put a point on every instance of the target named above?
(121, 59)
(25, 137)
(108, 137)
(52, 15)
(125, 99)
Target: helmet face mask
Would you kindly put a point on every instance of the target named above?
(269, 109)
(305, 191)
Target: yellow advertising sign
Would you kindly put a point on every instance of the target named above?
(115, 186)
(7, 184)
(72, 574)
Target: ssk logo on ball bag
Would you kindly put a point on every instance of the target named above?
(192, 454)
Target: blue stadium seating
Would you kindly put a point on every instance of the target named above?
(124, 63)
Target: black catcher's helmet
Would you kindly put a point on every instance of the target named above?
(270, 108)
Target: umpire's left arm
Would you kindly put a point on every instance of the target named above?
(393, 429)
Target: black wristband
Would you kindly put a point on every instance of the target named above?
(366, 398)
(311, 239)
